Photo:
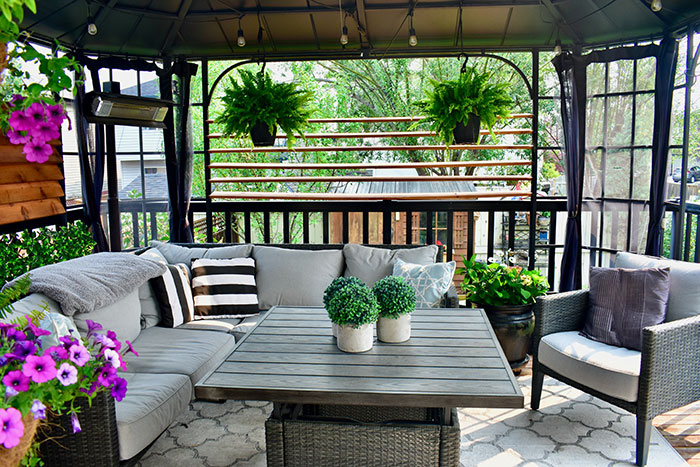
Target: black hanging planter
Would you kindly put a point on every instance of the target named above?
(261, 135)
(469, 133)
(513, 325)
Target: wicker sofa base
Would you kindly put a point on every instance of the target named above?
(342, 436)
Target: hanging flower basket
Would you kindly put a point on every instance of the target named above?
(13, 456)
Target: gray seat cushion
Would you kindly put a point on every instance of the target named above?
(370, 264)
(246, 325)
(605, 368)
(221, 324)
(684, 292)
(152, 403)
(180, 254)
(294, 277)
(179, 351)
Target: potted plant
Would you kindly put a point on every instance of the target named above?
(507, 294)
(456, 108)
(256, 106)
(43, 380)
(353, 308)
(396, 300)
(334, 287)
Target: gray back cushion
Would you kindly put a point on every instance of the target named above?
(294, 277)
(175, 254)
(371, 264)
(123, 317)
(684, 293)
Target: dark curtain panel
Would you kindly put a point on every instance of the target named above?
(572, 81)
(93, 169)
(665, 76)
(178, 150)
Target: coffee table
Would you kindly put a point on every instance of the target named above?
(395, 393)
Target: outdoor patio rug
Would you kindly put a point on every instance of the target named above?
(570, 429)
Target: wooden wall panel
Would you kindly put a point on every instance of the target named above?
(28, 190)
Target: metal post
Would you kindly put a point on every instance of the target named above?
(207, 156)
(534, 155)
(115, 225)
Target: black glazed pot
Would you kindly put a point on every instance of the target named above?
(513, 325)
(467, 133)
(261, 135)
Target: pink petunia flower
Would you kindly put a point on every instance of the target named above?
(57, 352)
(16, 137)
(11, 427)
(67, 374)
(36, 330)
(113, 336)
(37, 151)
(39, 369)
(19, 121)
(35, 113)
(45, 131)
(106, 376)
(55, 114)
(112, 358)
(16, 380)
(79, 355)
(104, 341)
(131, 348)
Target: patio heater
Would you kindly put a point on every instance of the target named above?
(111, 108)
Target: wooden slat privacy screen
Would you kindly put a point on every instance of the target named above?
(28, 190)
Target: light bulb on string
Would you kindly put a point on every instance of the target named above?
(656, 5)
(241, 38)
(412, 39)
(344, 36)
(557, 47)
(91, 27)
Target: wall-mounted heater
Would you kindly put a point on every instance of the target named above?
(120, 109)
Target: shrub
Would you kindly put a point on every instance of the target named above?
(20, 253)
(350, 302)
(395, 297)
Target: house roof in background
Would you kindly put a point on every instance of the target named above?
(311, 28)
(156, 187)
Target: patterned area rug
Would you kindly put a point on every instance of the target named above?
(570, 429)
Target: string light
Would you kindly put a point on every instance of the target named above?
(557, 47)
(344, 28)
(412, 39)
(656, 5)
(241, 37)
(344, 36)
(91, 26)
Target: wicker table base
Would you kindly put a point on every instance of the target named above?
(342, 436)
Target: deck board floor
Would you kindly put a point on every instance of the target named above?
(680, 427)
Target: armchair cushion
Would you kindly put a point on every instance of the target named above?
(625, 301)
(604, 368)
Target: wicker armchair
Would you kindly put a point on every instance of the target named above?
(669, 376)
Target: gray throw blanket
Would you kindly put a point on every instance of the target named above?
(84, 284)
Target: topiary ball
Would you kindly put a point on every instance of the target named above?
(337, 284)
(395, 297)
(353, 304)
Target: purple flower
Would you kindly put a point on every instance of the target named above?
(19, 121)
(67, 374)
(106, 376)
(45, 131)
(38, 410)
(113, 336)
(16, 334)
(39, 369)
(57, 352)
(35, 113)
(75, 422)
(36, 330)
(37, 151)
(112, 358)
(68, 341)
(92, 326)
(23, 349)
(9, 393)
(119, 389)
(16, 380)
(11, 427)
(131, 348)
(79, 355)
(55, 114)
(16, 137)
(104, 341)
(15, 99)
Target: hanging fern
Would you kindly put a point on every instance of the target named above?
(11, 294)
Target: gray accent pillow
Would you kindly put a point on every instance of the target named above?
(150, 311)
(294, 277)
(622, 302)
(684, 294)
(123, 317)
(430, 281)
(175, 254)
(371, 264)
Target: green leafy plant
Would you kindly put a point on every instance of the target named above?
(451, 102)
(257, 98)
(350, 303)
(12, 15)
(20, 253)
(395, 297)
(496, 284)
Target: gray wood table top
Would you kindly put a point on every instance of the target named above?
(452, 360)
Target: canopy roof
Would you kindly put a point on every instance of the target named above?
(312, 28)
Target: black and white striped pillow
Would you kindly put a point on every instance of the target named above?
(174, 296)
(224, 288)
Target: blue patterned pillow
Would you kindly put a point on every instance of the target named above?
(430, 281)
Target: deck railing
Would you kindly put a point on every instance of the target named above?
(687, 249)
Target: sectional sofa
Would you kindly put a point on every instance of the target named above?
(171, 360)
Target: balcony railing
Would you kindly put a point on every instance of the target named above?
(686, 249)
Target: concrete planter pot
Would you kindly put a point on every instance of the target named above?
(356, 340)
(335, 329)
(394, 330)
